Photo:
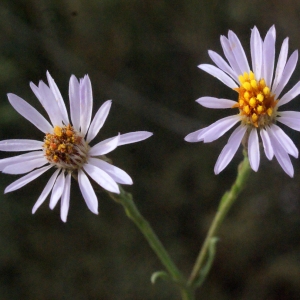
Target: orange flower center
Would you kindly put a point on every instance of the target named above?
(65, 148)
(256, 103)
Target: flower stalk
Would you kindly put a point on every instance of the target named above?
(125, 199)
(225, 204)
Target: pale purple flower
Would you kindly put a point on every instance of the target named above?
(259, 89)
(65, 147)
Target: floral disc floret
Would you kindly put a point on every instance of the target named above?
(256, 102)
(65, 148)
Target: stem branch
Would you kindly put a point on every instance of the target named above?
(224, 206)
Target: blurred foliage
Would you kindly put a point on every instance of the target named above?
(144, 56)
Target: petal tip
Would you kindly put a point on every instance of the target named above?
(190, 139)
(149, 133)
(216, 171)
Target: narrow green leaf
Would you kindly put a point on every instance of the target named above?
(159, 274)
(211, 256)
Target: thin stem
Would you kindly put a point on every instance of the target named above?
(224, 206)
(187, 293)
(124, 198)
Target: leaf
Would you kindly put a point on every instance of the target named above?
(211, 256)
(159, 274)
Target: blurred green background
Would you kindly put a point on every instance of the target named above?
(144, 55)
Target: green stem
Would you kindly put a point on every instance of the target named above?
(224, 206)
(124, 198)
(187, 293)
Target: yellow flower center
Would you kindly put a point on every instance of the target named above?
(256, 103)
(65, 148)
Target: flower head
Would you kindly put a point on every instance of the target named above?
(258, 101)
(66, 146)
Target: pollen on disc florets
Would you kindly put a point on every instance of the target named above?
(256, 102)
(65, 148)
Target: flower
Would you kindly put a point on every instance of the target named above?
(66, 147)
(258, 101)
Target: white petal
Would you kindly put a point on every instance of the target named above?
(102, 178)
(281, 63)
(133, 137)
(253, 150)
(290, 119)
(49, 103)
(289, 114)
(267, 144)
(269, 56)
(212, 102)
(287, 73)
(26, 179)
(35, 90)
(290, 95)
(46, 191)
(25, 167)
(285, 140)
(74, 96)
(65, 199)
(256, 52)
(116, 173)
(86, 103)
(280, 154)
(23, 158)
(98, 120)
(58, 98)
(57, 190)
(29, 113)
(273, 31)
(238, 52)
(290, 122)
(230, 149)
(105, 146)
(229, 55)
(87, 192)
(222, 64)
(216, 72)
(193, 137)
(20, 145)
(217, 129)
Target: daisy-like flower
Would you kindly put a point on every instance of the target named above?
(66, 147)
(258, 100)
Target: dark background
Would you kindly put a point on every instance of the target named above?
(144, 55)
